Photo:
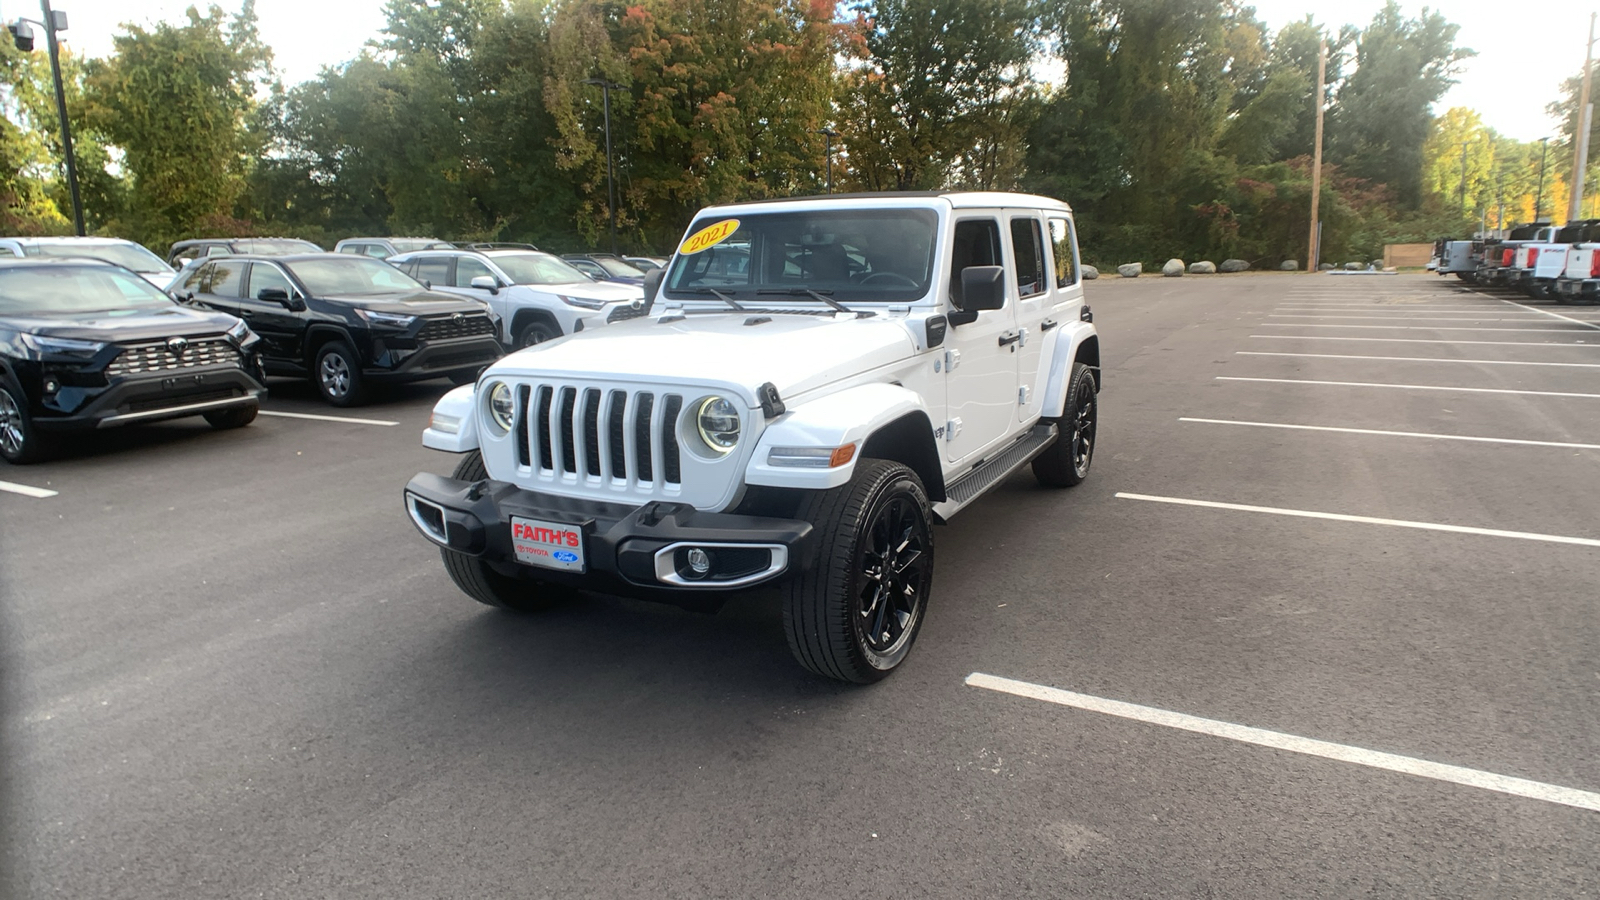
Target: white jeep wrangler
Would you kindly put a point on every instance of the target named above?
(818, 382)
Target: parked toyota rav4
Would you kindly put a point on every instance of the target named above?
(345, 321)
(819, 383)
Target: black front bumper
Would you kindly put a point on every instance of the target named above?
(432, 359)
(152, 398)
(626, 548)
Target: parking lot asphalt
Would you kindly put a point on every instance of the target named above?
(1353, 510)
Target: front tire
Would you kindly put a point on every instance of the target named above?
(854, 615)
(237, 417)
(1066, 462)
(20, 442)
(337, 374)
(478, 580)
(537, 332)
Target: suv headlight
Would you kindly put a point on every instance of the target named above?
(52, 346)
(582, 302)
(385, 320)
(717, 421)
(501, 407)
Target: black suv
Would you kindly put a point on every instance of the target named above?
(86, 344)
(346, 320)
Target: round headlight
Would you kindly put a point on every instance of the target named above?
(502, 407)
(717, 420)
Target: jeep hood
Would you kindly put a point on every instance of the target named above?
(795, 352)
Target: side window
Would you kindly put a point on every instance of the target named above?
(224, 278)
(265, 275)
(1028, 246)
(976, 243)
(195, 279)
(433, 270)
(1061, 250)
(216, 250)
(376, 251)
(467, 269)
(350, 248)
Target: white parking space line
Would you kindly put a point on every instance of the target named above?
(1407, 434)
(1365, 520)
(1414, 387)
(27, 490)
(1428, 359)
(1330, 337)
(346, 419)
(1546, 312)
(1418, 327)
(1465, 317)
(1389, 309)
(1277, 740)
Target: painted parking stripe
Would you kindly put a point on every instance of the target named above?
(1366, 520)
(1429, 359)
(1388, 309)
(1546, 312)
(27, 490)
(1330, 337)
(1418, 327)
(1414, 387)
(1464, 317)
(1407, 434)
(1277, 740)
(346, 419)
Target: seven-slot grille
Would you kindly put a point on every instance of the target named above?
(459, 325)
(628, 311)
(603, 433)
(162, 356)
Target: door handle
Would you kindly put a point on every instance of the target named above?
(1010, 337)
(1048, 324)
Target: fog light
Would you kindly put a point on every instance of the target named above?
(51, 385)
(699, 561)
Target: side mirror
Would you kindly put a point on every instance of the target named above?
(486, 283)
(652, 284)
(983, 287)
(279, 295)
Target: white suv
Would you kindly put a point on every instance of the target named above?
(537, 296)
(131, 256)
(818, 383)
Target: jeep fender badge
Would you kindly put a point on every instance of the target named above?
(771, 404)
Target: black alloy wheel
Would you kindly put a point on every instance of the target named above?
(1066, 462)
(1084, 417)
(893, 572)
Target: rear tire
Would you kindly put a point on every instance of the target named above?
(237, 417)
(20, 442)
(1066, 462)
(337, 375)
(855, 614)
(478, 580)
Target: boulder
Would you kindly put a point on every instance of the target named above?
(1090, 273)
(1130, 270)
(1233, 265)
(1203, 267)
(1376, 265)
(1173, 268)
(1289, 265)
(1353, 267)
(1326, 267)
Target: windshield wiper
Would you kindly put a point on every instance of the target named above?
(794, 292)
(720, 296)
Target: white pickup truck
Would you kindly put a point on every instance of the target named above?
(819, 382)
(1580, 273)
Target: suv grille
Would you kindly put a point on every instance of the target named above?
(611, 435)
(159, 356)
(628, 311)
(460, 325)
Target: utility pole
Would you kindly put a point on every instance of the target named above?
(1463, 175)
(611, 180)
(828, 135)
(1315, 249)
(23, 37)
(1538, 199)
(1580, 141)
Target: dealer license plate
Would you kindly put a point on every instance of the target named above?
(550, 545)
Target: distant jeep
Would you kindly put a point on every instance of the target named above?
(818, 383)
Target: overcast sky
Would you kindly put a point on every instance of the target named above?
(1524, 53)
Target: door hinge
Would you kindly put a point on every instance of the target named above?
(952, 428)
(1022, 395)
(952, 358)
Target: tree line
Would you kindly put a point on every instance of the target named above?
(1174, 127)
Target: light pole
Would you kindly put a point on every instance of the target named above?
(828, 134)
(1538, 198)
(611, 186)
(22, 35)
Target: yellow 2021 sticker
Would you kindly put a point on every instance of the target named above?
(709, 236)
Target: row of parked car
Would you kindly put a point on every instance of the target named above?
(1542, 260)
(99, 332)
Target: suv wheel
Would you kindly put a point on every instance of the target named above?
(236, 417)
(478, 580)
(337, 374)
(1066, 462)
(19, 442)
(536, 332)
(855, 614)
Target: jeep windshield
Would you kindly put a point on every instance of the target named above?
(851, 255)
